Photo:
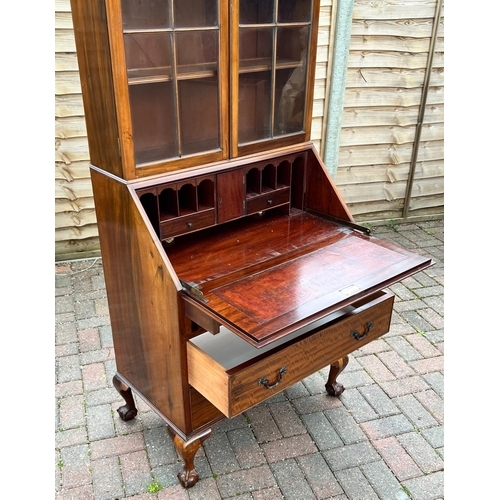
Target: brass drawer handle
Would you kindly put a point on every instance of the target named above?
(263, 381)
(358, 336)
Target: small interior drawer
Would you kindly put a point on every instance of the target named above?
(230, 372)
(268, 200)
(186, 223)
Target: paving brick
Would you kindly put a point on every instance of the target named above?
(319, 402)
(159, 446)
(286, 419)
(319, 476)
(94, 377)
(404, 386)
(81, 493)
(71, 412)
(315, 383)
(434, 436)
(68, 368)
(417, 321)
(291, 480)
(430, 487)
(379, 400)
(107, 479)
(321, 431)
(387, 426)
(422, 452)
(245, 447)
(352, 455)
(404, 348)
(89, 340)
(243, 481)
(396, 364)
(65, 331)
(373, 347)
(136, 472)
(357, 378)
(76, 464)
(397, 458)
(289, 448)
(273, 493)
(120, 445)
(220, 454)
(345, 425)
(433, 402)
(423, 346)
(428, 365)
(377, 370)
(263, 424)
(355, 484)
(415, 412)
(383, 481)
(71, 437)
(100, 422)
(357, 405)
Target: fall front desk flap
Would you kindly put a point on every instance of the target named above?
(263, 278)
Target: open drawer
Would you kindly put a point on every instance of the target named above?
(234, 376)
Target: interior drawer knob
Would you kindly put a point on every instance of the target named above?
(263, 381)
(360, 336)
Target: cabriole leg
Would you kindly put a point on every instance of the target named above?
(129, 410)
(188, 476)
(332, 386)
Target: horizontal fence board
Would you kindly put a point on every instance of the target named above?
(382, 43)
(75, 219)
(66, 61)
(364, 117)
(70, 150)
(394, 9)
(366, 174)
(424, 207)
(76, 233)
(390, 191)
(75, 170)
(391, 97)
(67, 82)
(358, 136)
(77, 249)
(396, 60)
(68, 105)
(70, 126)
(73, 190)
(63, 21)
(418, 28)
(65, 41)
(65, 205)
(385, 154)
(391, 77)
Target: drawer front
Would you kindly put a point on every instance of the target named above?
(237, 390)
(186, 223)
(269, 200)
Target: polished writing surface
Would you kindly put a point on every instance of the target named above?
(273, 273)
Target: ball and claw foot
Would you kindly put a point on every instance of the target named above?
(127, 413)
(333, 387)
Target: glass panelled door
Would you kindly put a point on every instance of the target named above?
(172, 50)
(274, 40)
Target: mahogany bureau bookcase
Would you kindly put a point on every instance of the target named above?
(233, 267)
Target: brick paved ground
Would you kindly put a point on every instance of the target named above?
(382, 439)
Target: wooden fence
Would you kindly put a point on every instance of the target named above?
(388, 54)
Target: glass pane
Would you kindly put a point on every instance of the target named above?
(148, 55)
(294, 11)
(199, 115)
(195, 13)
(290, 79)
(291, 45)
(254, 106)
(153, 121)
(256, 11)
(145, 14)
(255, 48)
(290, 101)
(196, 51)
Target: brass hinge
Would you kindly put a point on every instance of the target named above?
(193, 289)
